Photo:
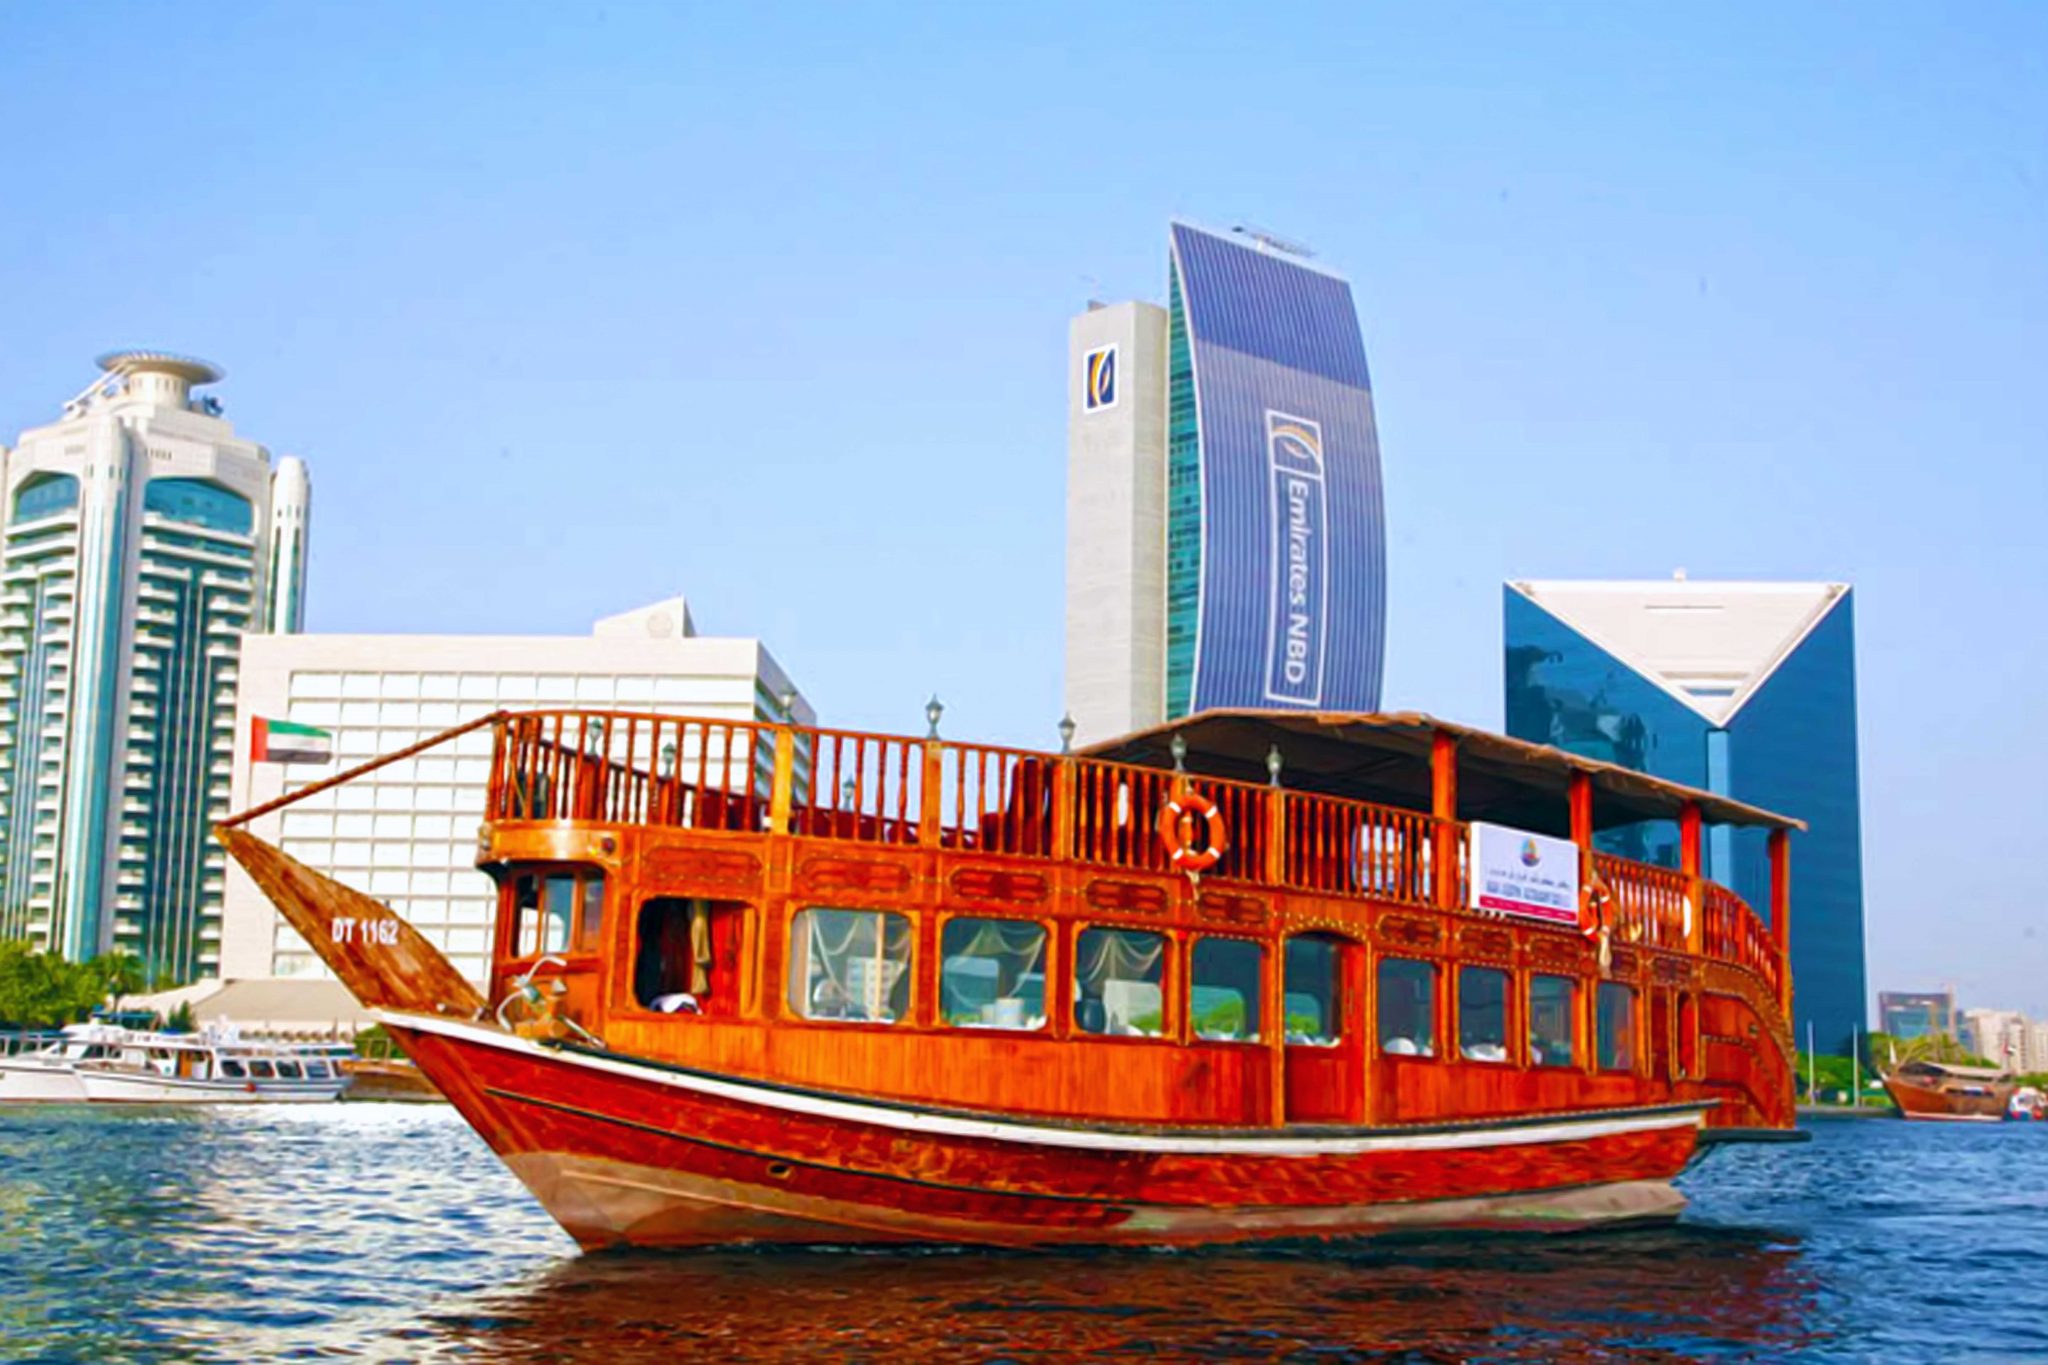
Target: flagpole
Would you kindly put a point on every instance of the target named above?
(1856, 1065)
(1811, 1096)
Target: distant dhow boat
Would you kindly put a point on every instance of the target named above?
(1254, 975)
(1949, 1091)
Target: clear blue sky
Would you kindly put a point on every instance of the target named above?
(572, 307)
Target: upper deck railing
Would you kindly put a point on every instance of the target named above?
(691, 773)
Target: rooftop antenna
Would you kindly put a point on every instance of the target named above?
(1273, 241)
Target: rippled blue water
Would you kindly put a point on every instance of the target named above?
(390, 1233)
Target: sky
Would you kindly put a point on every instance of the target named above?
(573, 307)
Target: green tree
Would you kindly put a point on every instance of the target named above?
(119, 974)
(42, 990)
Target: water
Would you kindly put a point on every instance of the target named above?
(371, 1232)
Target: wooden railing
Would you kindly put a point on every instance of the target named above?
(1649, 903)
(1732, 932)
(1357, 848)
(612, 767)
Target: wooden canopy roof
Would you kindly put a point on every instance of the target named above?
(1385, 758)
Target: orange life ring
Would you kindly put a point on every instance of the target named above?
(1597, 897)
(1177, 830)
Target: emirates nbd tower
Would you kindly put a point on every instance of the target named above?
(1226, 543)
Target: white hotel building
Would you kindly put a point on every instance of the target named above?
(143, 537)
(406, 833)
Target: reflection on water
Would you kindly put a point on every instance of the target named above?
(1653, 1292)
(372, 1232)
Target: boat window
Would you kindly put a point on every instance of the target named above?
(992, 974)
(316, 1071)
(1224, 992)
(590, 928)
(557, 912)
(1616, 1008)
(231, 1068)
(1483, 1014)
(1117, 978)
(260, 1069)
(288, 1071)
(850, 964)
(1407, 1007)
(1310, 992)
(543, 908)
(1552, 1010)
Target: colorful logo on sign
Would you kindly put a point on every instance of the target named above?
(1530, 855)
(1296, 626)
(1100, 390)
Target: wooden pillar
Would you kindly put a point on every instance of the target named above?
(1580, 796)
(783, 794)
(1582, 810)
(1275, 870)
(1443, 808)
(1781, 911)
(930, 788)
(1689, 837)
(1063, 785)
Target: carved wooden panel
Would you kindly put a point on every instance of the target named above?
(1670, 971)
(1487, 941)
(1555, 952)
(1126, 897)
(872, 875)
(727, 867)
(1220, 907)
(994, 884)
(1410, 931)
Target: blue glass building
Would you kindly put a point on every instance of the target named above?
(1275, 533)
(1744, 689)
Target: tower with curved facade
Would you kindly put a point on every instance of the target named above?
(1226, 542)
(142, 539)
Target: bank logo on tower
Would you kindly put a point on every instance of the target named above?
(1296, 624)
(1100, 379)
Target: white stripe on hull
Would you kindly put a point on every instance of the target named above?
(114, 1088)
(1537, 1130)
(25, 1081)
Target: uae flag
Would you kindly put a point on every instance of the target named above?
(280, 741)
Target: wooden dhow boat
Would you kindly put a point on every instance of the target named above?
(1950, 1091)
(1254, 975)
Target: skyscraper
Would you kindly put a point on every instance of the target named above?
(1225, 537)
(142, 539)
(1745, 689)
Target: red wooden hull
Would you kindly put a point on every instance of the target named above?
(1917, 1101)
(622, 1152)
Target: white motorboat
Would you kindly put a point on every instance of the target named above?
(49, 1073)
(104, 1063)
(212, 1067)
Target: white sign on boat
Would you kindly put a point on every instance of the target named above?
(1515, 872)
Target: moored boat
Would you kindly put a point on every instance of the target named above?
(103, 1063)
(48, 1073)
(1256, 975)
(1949, 1091)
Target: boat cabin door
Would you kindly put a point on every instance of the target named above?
(1321, 999)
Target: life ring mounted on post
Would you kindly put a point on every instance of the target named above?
(1177, 824)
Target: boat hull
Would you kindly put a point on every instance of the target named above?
(110, 1087)
(25, 1080)
(625, 1153)
(1927, 1103)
